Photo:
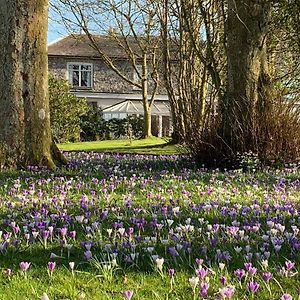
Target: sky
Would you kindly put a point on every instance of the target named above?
(55, 31)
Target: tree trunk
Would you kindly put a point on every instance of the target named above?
(147, 122)
(146, 103)
(247, 27)
(25, 135)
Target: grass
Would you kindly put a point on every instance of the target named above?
(154, 145)
(167, 203)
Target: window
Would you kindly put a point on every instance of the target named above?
(80, 75)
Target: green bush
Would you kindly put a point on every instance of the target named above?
(66, 111)
(93, 126)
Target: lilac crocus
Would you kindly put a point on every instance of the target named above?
(51, 265)
(199, 261)
(128, 294)
(252, 271)
(88, 255)
(252, 286)
(8, 272)
(171, 272)
(24, 265)
(286, 297)
(289, 265)
(227, 292)
(239, 273)
(63, 232)
(204, 286)
(267, 276)
(201, 272)
(73, 234)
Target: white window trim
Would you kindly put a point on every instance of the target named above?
(82, 64)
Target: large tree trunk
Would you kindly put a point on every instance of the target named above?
(25, 136)
(247, 27)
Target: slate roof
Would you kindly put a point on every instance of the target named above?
(79, 45)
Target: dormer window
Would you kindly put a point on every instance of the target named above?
(80, 75)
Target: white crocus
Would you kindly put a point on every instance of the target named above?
(159, 264)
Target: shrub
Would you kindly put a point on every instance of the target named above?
(65, 111)
(93, 126)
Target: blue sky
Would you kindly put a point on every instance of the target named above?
(55, 31)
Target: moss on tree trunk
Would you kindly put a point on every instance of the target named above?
(25, 135)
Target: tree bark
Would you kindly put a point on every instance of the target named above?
(25, 135)
(146, 103)
(247, 27)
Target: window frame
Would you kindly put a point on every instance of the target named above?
(80, 64)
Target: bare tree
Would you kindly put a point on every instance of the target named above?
(25, 137)
(192, 32)
(229, 60)
(132, 24)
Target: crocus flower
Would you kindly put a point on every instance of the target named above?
(239, 273)
(73, 234)
(223, 280)
(204, 286)
(253, 286)
(252, 270)
(227, 292)
(159, 264)
(289, 265)
(286, 297)
(171, 272)
(128, 294)
(194, 282)
(51, 265)
(88, 255)
(24, 265)
(267, 276)
(201, 272)
(8, 272)
(44, 297)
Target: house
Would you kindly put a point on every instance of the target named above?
(73, 58)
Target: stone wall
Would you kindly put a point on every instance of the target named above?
(105, 80)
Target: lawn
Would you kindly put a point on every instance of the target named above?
(131, 226)
(152, 145)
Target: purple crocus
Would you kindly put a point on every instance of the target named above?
(286, 297)
(239, 273)
(227, 292)
(8, 272)
(88, 255)
(204, 286)
(223, 280)
(51, 265)
(252, 271)
(201, 272)
(128, 294)
(252, 286)
(24, 265)
(267, 276)
(73, 234)
(289, 265)
(171, 272)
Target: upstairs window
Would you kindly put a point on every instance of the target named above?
(80, 75)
